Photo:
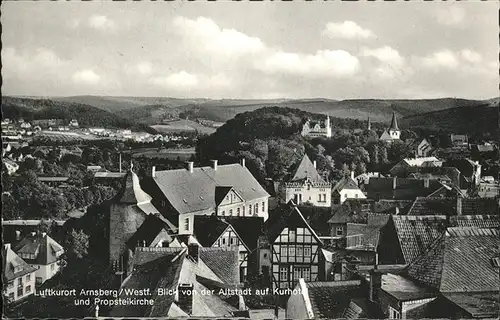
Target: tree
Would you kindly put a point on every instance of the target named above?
(77, 245)
(361, 168)
(346, 171)
(383, 155)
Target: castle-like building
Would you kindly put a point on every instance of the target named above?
(393, 133)
(317, 129)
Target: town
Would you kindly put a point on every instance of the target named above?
(322, 238)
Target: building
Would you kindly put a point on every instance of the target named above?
(423, 149)
(410, 165)
(18, 276)
(307, 186)
(184, 276)
(393, 133)
(470, 172)
(395, 188)
(73, 123)
(25, 125)
(346, 188)
(53, 181)
(42, 252)
(317, 129)
(225, 190)
(459, 140)
(295, 248)
(240, 232)
(10, 166)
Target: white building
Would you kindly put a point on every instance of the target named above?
(42, 252)
(18, 276)
(307, 186)
(345, 189)
(393, 133)
(317, 129)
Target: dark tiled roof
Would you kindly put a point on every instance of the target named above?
(377, 219)
(248, 228)
(479, 305)
(287, 216)
(306, 170)
(346, 183)
(394, 122)
(195, 191)
(223, 262)
(367, 236)
(363, 309)
(220, 193)
(460, 261)
(152, 226)
(44, 247)
(332, 299)
(352, 210)
(432, 206)
(387, 206)
(405, 289)
(10, 260)
(477, 221)
(318, 218)
(207, 229)
(406, 188)
(417, 233)
(475, 206)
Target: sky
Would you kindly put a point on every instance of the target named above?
(318, 49)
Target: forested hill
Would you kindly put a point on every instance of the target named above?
(87, 116)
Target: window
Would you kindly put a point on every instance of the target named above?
(231, 212)
(394, 314)
(340, 232)
(238, 212)
(20, 281)
(52, 267)
(28, 277)
(28, 289)
(10, 284)
(300, 253)
(292, 235)
(283, 253)
(263, 206)
(283, 273)
(223, 240)
(20, 291)
(38, 280)
(243, 210)
(356, 195)
(250, 210)
(291, 254)
(256, 207)
(223, 212)
(186, 224)
(234, 241)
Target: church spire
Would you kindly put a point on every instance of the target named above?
(369, 124)
(394, 122)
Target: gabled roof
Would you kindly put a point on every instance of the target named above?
(110, 175)
(346, 183)
(425, 206)
(362, 236)
(478, 304)
(207, 229)
(394, 122)
(477, 221)
(44, 247)
(306, 170)
(195, 191)
(460, 261)
(133, 194)
(289, 216)
(10, 260)
(483, 206)
(418, 162)
(417, 233)
(362, 308)
(405, 289)
(248, 229)
(150, 229)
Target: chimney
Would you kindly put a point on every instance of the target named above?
(394, 183)
(194, 251)
(459, 205)
(243, 163)
(44, 234)
(214, 165)
(33, 234)
(186, 293)
(314, 163)
(7, 246)
(375, 284)
(396, 210)
(352, 175)
(18, 235)
(189, 166)
(120, 162)
(426, 182)
(153, 172)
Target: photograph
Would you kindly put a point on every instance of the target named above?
(250, 159)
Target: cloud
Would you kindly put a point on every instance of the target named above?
(346, 30)
(471, 56)
(335, 63)
(441, 59)
(41, 62)
(87, 76)
(452, 16)
(143, 68)
(205, 34)
(183, 81)
(100, 22)
(385, 54)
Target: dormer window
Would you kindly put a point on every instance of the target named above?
(18, 269)
(495, 262)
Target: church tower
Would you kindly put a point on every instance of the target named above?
(328, 127)
(394, 131)
(369, 124)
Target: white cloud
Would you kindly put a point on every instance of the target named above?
(186, 82)
(336, 63)
(385, 54)
(100, 22)
(441, 59)
(86, 76)
(347, 30)
(180, 80)
(471, 56)
(207, 35)
(142, 68)
(41, 62)
(452, 16)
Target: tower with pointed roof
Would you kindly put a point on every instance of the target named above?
(393, 133)
(369, 124)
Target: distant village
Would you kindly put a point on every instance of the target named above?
(418, 241)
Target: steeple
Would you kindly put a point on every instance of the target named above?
(394, 122)
(369, 124)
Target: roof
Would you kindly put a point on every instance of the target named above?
(132, 192)
(456, 259)
(195, 191)
(110, 175)
(287, 216)
(153, 228)
(394, 122)
(46, 249)
(479, 305)
(331, 299)
(425, 206)
(167, 268)
(317, 218)
(417, 233)
(477, 221)
(28, 222)
(352, 210)
(306, 170)
(362, 236)
(483, 206)
(361, 308)
(207, 229)
(418, 162)
(346, 183)
(10, 260)
(53, 179)
(248, 229)
(405, 289)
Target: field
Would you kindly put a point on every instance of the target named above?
(170, 154)
(66, 136)
(183, 126)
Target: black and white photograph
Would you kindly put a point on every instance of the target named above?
(250, 159)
